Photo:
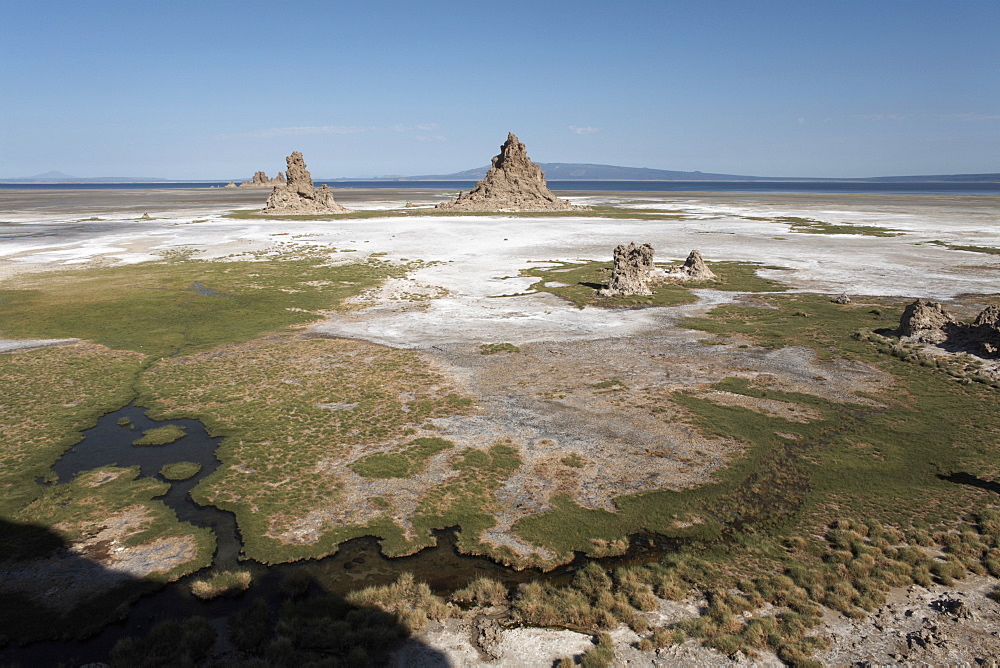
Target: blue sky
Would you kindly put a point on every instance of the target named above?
(210, 89)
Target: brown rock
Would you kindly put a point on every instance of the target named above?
(988, 319)
(513, 183)
(926, 321)
(986, 329)
(298, 195)
(693, 269)
(230, 185)
(696, 269)
(630, 275)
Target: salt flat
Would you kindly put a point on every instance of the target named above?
(477, 259)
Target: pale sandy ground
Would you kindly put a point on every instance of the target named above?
(477, 259)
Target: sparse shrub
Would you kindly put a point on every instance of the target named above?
(601, 656)
(249, 627)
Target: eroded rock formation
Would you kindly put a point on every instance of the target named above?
(513, 183)
(986, 329)
(927, 321)
(630, 275)
(693, 269)
(298, 195)
(696, 269)
(260, 180)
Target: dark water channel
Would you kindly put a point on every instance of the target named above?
(357, 564)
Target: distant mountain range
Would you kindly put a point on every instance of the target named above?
(554, 171)
(58, 177)
(562, 171)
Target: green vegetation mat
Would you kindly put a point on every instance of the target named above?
(292, 410)
(879, 460)
(178, 306)
(180, 470)
(160, 435)
(988, 250)
(402, 464)
(812, 226)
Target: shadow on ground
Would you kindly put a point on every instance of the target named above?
(279, 621)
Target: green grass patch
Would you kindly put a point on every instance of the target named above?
(989, 250)
(180, 470)
(403, 464)
(178, 306)
(812, 226)
(160, 435)
(494, 348)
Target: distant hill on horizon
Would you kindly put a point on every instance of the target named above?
(554, 171)
(53, 176)
(562, 171)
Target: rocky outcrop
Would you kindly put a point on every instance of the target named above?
(693, 269)
(260, 180)
(513, 183)
(696, 269)
(298, 195)
(230, 185)
(630, 275)
(927, 321)
(986, 329)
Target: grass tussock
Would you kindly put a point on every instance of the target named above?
(410, 601)
(222, 583)
(482, 592)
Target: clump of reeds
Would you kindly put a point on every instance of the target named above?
(222, 583)
(482, 592)
(410, 601)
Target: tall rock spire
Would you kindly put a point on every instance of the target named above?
(298, 195)
(513, 183)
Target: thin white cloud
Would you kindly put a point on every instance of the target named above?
(881, 117)
(970, 117)
(334, 130)
(431, 138)
(309, 130)
(587, 130)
